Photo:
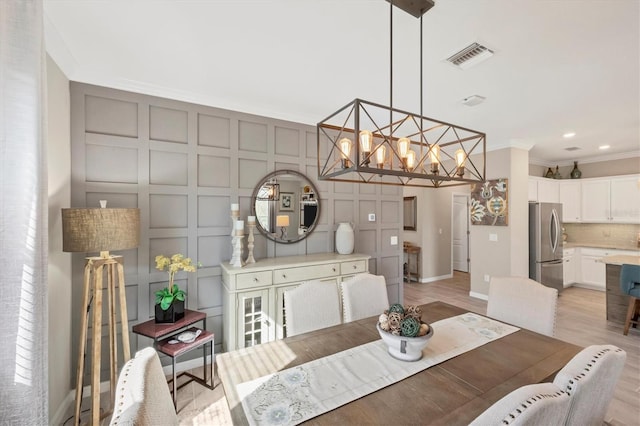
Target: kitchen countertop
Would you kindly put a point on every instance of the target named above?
(621, 259)
(600, 245)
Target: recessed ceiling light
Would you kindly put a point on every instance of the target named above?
(603, 147)
(569, 135)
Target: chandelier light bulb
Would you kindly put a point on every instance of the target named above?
(411, 159)
(345, 151)
(403, 147)
(434, 154)
(381, 155)
(366, 140)
(460, 159)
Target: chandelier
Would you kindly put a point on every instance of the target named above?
(366, 142)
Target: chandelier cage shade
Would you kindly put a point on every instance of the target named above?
(366, 142)
(100, 230)
(406, 149)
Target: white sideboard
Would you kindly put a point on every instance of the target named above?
(253, 296)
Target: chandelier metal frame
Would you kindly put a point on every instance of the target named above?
(396, 147)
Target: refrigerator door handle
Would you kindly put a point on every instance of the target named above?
(551, 262)
(553, 230)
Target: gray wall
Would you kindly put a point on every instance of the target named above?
(59, 266)
(183, 165)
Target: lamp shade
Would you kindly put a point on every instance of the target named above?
(95, 230)
(282, 220)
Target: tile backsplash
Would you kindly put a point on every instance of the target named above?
(623, 236)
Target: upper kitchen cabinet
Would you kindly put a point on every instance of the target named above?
(611, 200)
(543, 190)
(570, 196)
(625, 199)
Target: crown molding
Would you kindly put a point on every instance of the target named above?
(592, 159)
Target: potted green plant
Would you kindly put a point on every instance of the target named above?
(170, 300)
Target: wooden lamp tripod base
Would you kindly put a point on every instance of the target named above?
(93, 277)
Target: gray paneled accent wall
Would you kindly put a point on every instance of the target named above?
(183, 165)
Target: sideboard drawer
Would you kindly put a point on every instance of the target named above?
(254, 279)
(354, 267)
(306, 273)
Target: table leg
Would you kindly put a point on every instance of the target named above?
(175, 381)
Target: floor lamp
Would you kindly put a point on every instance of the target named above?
(90, 231)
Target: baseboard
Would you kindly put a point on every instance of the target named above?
(432, 279)
(69, 400)
(589, 286)
(478, 295)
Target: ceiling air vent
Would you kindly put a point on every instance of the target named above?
(572, 148)
(470, 55)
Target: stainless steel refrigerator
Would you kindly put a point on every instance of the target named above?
(545, 244)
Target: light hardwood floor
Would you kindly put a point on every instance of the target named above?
(580, 320)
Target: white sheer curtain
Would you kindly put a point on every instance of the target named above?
(23, 221)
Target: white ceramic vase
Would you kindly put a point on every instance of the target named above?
(345, 239)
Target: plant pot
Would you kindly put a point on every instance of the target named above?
(173, 314)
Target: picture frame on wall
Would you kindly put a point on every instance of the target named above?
(287, 201)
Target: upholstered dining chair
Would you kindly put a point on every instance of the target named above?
(590, 379)
(142, 394)
(311, 306)
(524, 303)
(363, 296)
(538, 404)
(630, 285)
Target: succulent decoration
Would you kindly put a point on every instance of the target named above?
(403, 321)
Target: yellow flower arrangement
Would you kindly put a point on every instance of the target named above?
(175, 263)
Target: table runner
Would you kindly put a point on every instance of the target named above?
(300, 393)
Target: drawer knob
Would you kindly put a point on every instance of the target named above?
(355, 267)
(255, 279)
(333, 269)
(284, 275)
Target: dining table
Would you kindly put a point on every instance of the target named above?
(453, 392)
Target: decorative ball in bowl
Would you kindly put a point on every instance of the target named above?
(403, 332)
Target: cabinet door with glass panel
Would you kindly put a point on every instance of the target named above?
(254, 323)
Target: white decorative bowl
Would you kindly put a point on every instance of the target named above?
(405, 348)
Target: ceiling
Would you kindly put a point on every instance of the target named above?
(559, 65)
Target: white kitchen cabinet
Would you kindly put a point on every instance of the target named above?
(611, 200)
(595, 200)
(570, 197)
(548, 191)
(625, 199)
(592, 270)
(568, 267)
(253, 295)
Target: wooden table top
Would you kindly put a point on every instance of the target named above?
(453, 392)
(156, 330)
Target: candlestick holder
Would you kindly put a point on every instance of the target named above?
(250, 245)
(236, 260)
(235, 215)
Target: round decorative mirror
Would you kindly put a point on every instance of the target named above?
(286, 206)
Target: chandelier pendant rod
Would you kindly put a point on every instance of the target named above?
(390, 68)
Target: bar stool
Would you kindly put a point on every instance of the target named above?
(630, 285)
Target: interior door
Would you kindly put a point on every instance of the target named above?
(460, 233)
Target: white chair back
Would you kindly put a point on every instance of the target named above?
(539, 404)
(590, 379)
(142, 394)
(524, 303)
(363, 296)
(311, 306)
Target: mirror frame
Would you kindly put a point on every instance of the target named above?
(254, 196)
(409, 213)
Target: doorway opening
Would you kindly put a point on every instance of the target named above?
(460, 233)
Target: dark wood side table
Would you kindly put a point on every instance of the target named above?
(410, 250)
(162, 333)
